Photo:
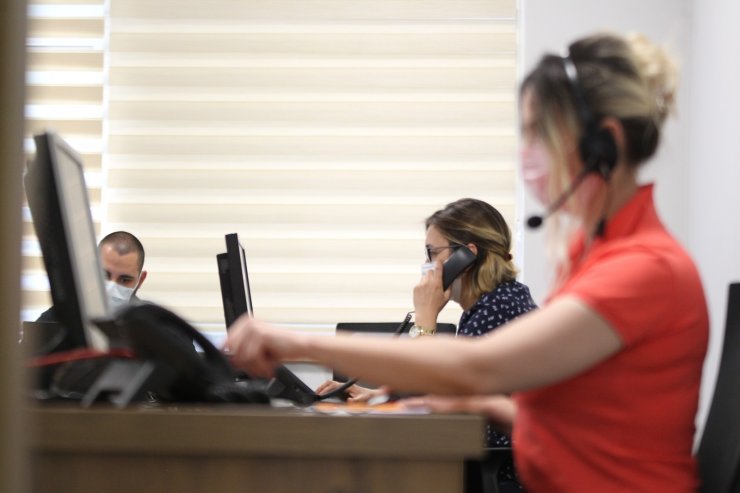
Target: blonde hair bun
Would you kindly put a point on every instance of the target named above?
(659, 71)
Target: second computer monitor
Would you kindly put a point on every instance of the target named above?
(234, 280)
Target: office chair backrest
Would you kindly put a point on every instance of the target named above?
(379, 328)
(386, 327)
(719, 450)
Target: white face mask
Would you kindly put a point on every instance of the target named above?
(535, 162)
(456, 286)
(118, 296)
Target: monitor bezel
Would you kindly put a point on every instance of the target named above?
(62, 235)
(236, 294)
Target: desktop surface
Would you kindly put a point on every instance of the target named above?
(248, 449)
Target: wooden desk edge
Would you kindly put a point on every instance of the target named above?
(254, 430)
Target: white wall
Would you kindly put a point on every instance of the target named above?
(697, 173)
(714, 154)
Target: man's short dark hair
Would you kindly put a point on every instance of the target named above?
(124, 243)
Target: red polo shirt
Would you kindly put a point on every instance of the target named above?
(626, 424)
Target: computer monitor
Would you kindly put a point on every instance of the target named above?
(57, 197)
(237, 300)
(234, 279)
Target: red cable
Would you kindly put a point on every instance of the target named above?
(77, 355)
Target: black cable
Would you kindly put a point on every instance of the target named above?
(399, 330)
(342, 388)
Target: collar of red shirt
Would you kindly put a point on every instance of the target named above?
(626, 220)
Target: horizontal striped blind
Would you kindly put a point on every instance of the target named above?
(323, 132)
(65, 85)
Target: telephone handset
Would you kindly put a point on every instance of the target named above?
(455, 265)
(161, 337)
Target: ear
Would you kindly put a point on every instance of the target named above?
(473, 248)
(142, 277)
(615, 128)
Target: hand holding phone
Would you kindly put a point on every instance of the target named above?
(455, 265)
(428, 299)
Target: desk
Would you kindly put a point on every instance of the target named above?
(224, 449)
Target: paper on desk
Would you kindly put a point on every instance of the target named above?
(363, 408)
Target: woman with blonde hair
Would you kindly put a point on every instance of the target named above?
(487, 291)
(605, 376)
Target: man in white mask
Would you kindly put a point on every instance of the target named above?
(122, 259)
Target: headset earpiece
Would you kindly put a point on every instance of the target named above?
(598, 151)
(597, 146)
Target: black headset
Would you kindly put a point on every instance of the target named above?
(597, 146)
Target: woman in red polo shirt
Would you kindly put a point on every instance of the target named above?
(605, 377)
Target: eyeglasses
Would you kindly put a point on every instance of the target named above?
(434, 251)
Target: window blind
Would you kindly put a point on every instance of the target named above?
(323, 132)
(65, 82)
